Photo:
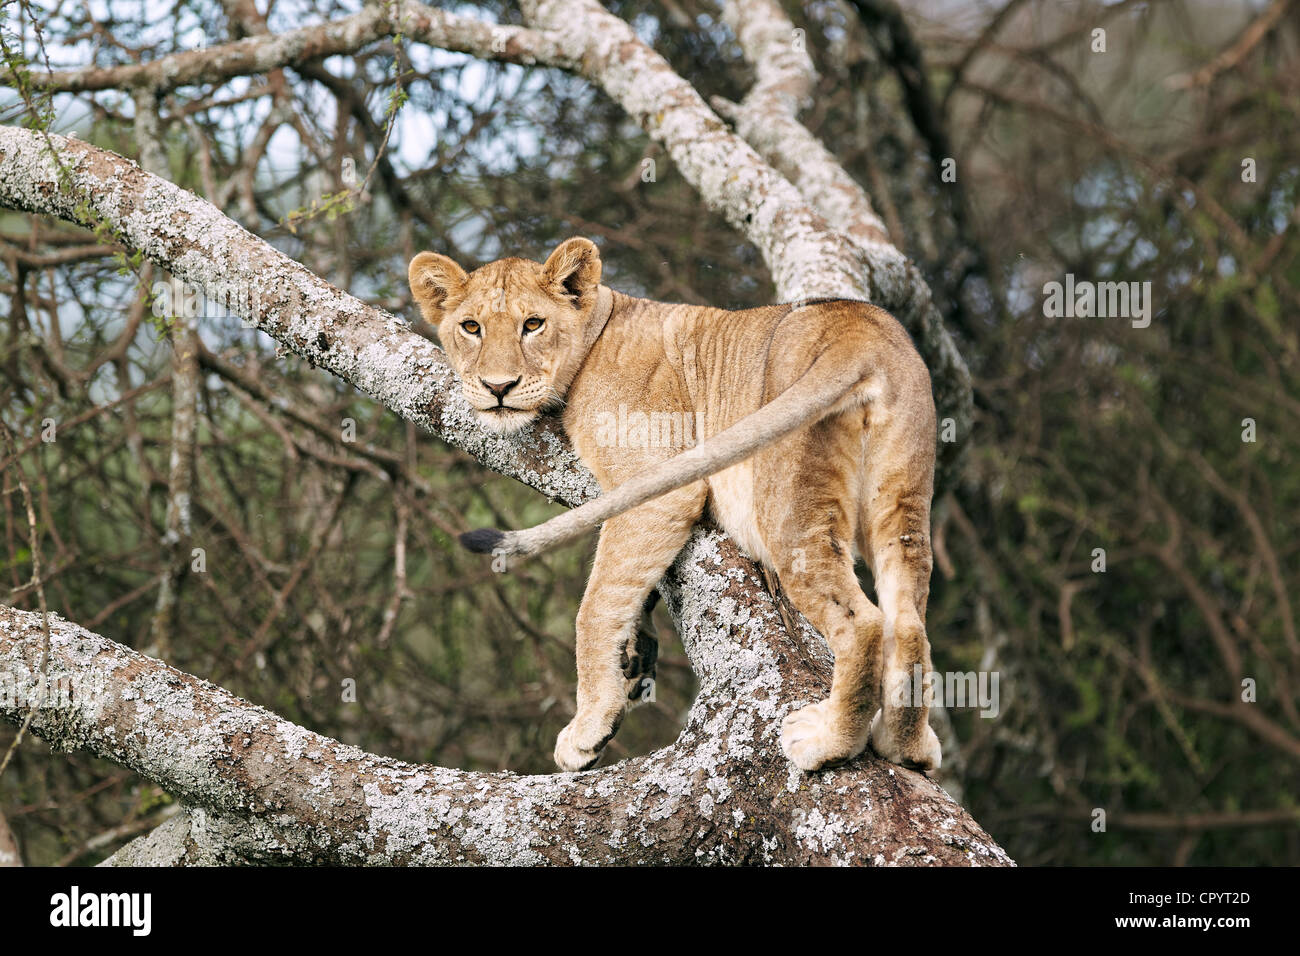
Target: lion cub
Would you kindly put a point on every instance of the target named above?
(806, 429)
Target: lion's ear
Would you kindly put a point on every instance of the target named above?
(435, 279)
(573, 270)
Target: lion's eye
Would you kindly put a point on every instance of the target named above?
(533, 324)
(471, 327)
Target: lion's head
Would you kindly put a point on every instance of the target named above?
(515, 331)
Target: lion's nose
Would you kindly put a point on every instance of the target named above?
(499, 389)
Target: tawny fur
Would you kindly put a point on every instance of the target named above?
(827, 411)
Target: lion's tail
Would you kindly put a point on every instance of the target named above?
(829, 385)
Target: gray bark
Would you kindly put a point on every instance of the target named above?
(258, 788)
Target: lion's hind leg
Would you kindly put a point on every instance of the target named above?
(837, 728)
(808, 527)
(897, 536)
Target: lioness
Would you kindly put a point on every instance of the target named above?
(817, 432)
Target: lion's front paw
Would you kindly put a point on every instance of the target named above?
(579, 744)
(922, 752)
(817, 736)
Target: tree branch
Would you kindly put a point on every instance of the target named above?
(272, 51)
(273, 792)
(370, 349)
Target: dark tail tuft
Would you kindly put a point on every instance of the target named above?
(482, 541)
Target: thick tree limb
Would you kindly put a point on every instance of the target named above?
(767, 118)
(372, 350)
(805, 257)
(271, 791)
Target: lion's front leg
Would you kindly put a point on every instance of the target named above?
(635, 550)
(640, 659)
